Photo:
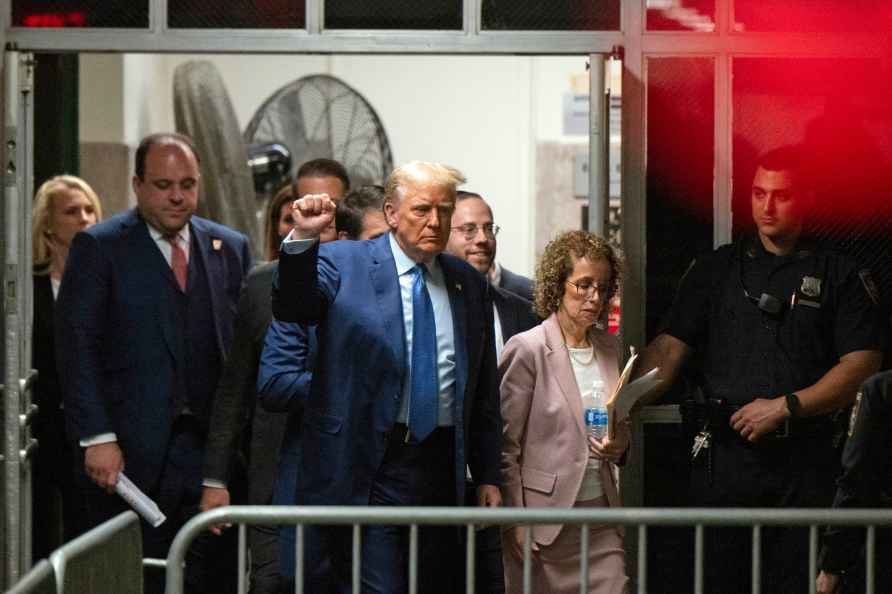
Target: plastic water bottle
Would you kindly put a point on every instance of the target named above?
(594, 408)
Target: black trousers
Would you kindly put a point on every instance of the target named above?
(490, 573)
(411, 474)
(57, 505)
(779, 473)
(211, 561)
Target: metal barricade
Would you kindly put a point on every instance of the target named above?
(414, 517)
(108, 558)
(40, 580)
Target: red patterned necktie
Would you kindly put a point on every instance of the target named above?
(178, 261)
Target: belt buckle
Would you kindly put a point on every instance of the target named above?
(783, 431)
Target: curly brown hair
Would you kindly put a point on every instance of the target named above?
(556, 264)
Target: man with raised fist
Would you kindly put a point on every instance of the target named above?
(404, 390)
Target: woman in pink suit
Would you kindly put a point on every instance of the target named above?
(548, 459)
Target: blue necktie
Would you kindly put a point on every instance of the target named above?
(424, 395)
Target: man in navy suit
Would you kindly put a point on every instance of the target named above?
(403, 393)
(144, 320)
(473, 239)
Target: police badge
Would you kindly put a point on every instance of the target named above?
(811, 286)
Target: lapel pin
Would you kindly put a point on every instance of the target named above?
(217, 244)
(458, 286)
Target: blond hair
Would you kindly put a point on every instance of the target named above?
(421, 173)
(42, 212)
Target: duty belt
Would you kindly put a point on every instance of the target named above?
(716, 415)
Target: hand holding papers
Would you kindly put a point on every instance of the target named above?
(626, 393)
(139, 501)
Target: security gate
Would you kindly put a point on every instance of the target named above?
(18, 410)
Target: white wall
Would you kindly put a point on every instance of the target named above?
(483, 115)
(101, 98)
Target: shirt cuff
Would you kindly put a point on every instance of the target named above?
(213, 484)
(98, 439)
(293, 246)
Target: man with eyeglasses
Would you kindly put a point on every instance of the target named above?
(473, 238)
(781, 331)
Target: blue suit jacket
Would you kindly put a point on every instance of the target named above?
(283, 385)
(351, 291)
(116, 345)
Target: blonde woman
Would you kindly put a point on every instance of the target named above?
(548, 459)
(63, 206)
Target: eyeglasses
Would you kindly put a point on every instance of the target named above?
(469, 230)
(587, 289)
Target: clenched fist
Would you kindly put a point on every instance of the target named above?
(312, 215)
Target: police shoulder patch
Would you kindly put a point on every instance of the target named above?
(869, 285)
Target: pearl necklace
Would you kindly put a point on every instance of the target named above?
(570, 350)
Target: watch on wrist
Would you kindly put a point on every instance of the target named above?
(793, 405)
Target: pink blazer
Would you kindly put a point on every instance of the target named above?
(544, 449)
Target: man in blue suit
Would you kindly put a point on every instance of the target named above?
(403, 393)
(144, 319)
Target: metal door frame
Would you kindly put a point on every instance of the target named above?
(19, 411)
(638, 44)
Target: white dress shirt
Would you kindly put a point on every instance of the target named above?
(164, 245)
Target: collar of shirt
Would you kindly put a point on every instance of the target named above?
(405, 264)
(164, 245)
(755, 250)
(495, 274)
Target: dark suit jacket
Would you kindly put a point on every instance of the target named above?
(116, 343)
(47, 393)
(515, 313)
(236, 419)
(351, 290)
(517, 284)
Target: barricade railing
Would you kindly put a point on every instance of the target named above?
(40, 580)
(108, 558)
(471, 518)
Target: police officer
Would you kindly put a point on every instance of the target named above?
(782, 331)
(866, 481)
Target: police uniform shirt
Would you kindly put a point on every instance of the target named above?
(866, 479)
(745, 352)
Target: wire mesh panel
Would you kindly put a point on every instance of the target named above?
(837, 110)
(393, 14)
(556, 15)
(812, 15)
(133, 14)
(680, 145)
(681, 15)
(236, 14)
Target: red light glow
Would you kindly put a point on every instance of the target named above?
(55, 19)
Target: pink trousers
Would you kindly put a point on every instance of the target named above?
(555, 568)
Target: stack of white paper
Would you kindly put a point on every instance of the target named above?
(139, 501)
